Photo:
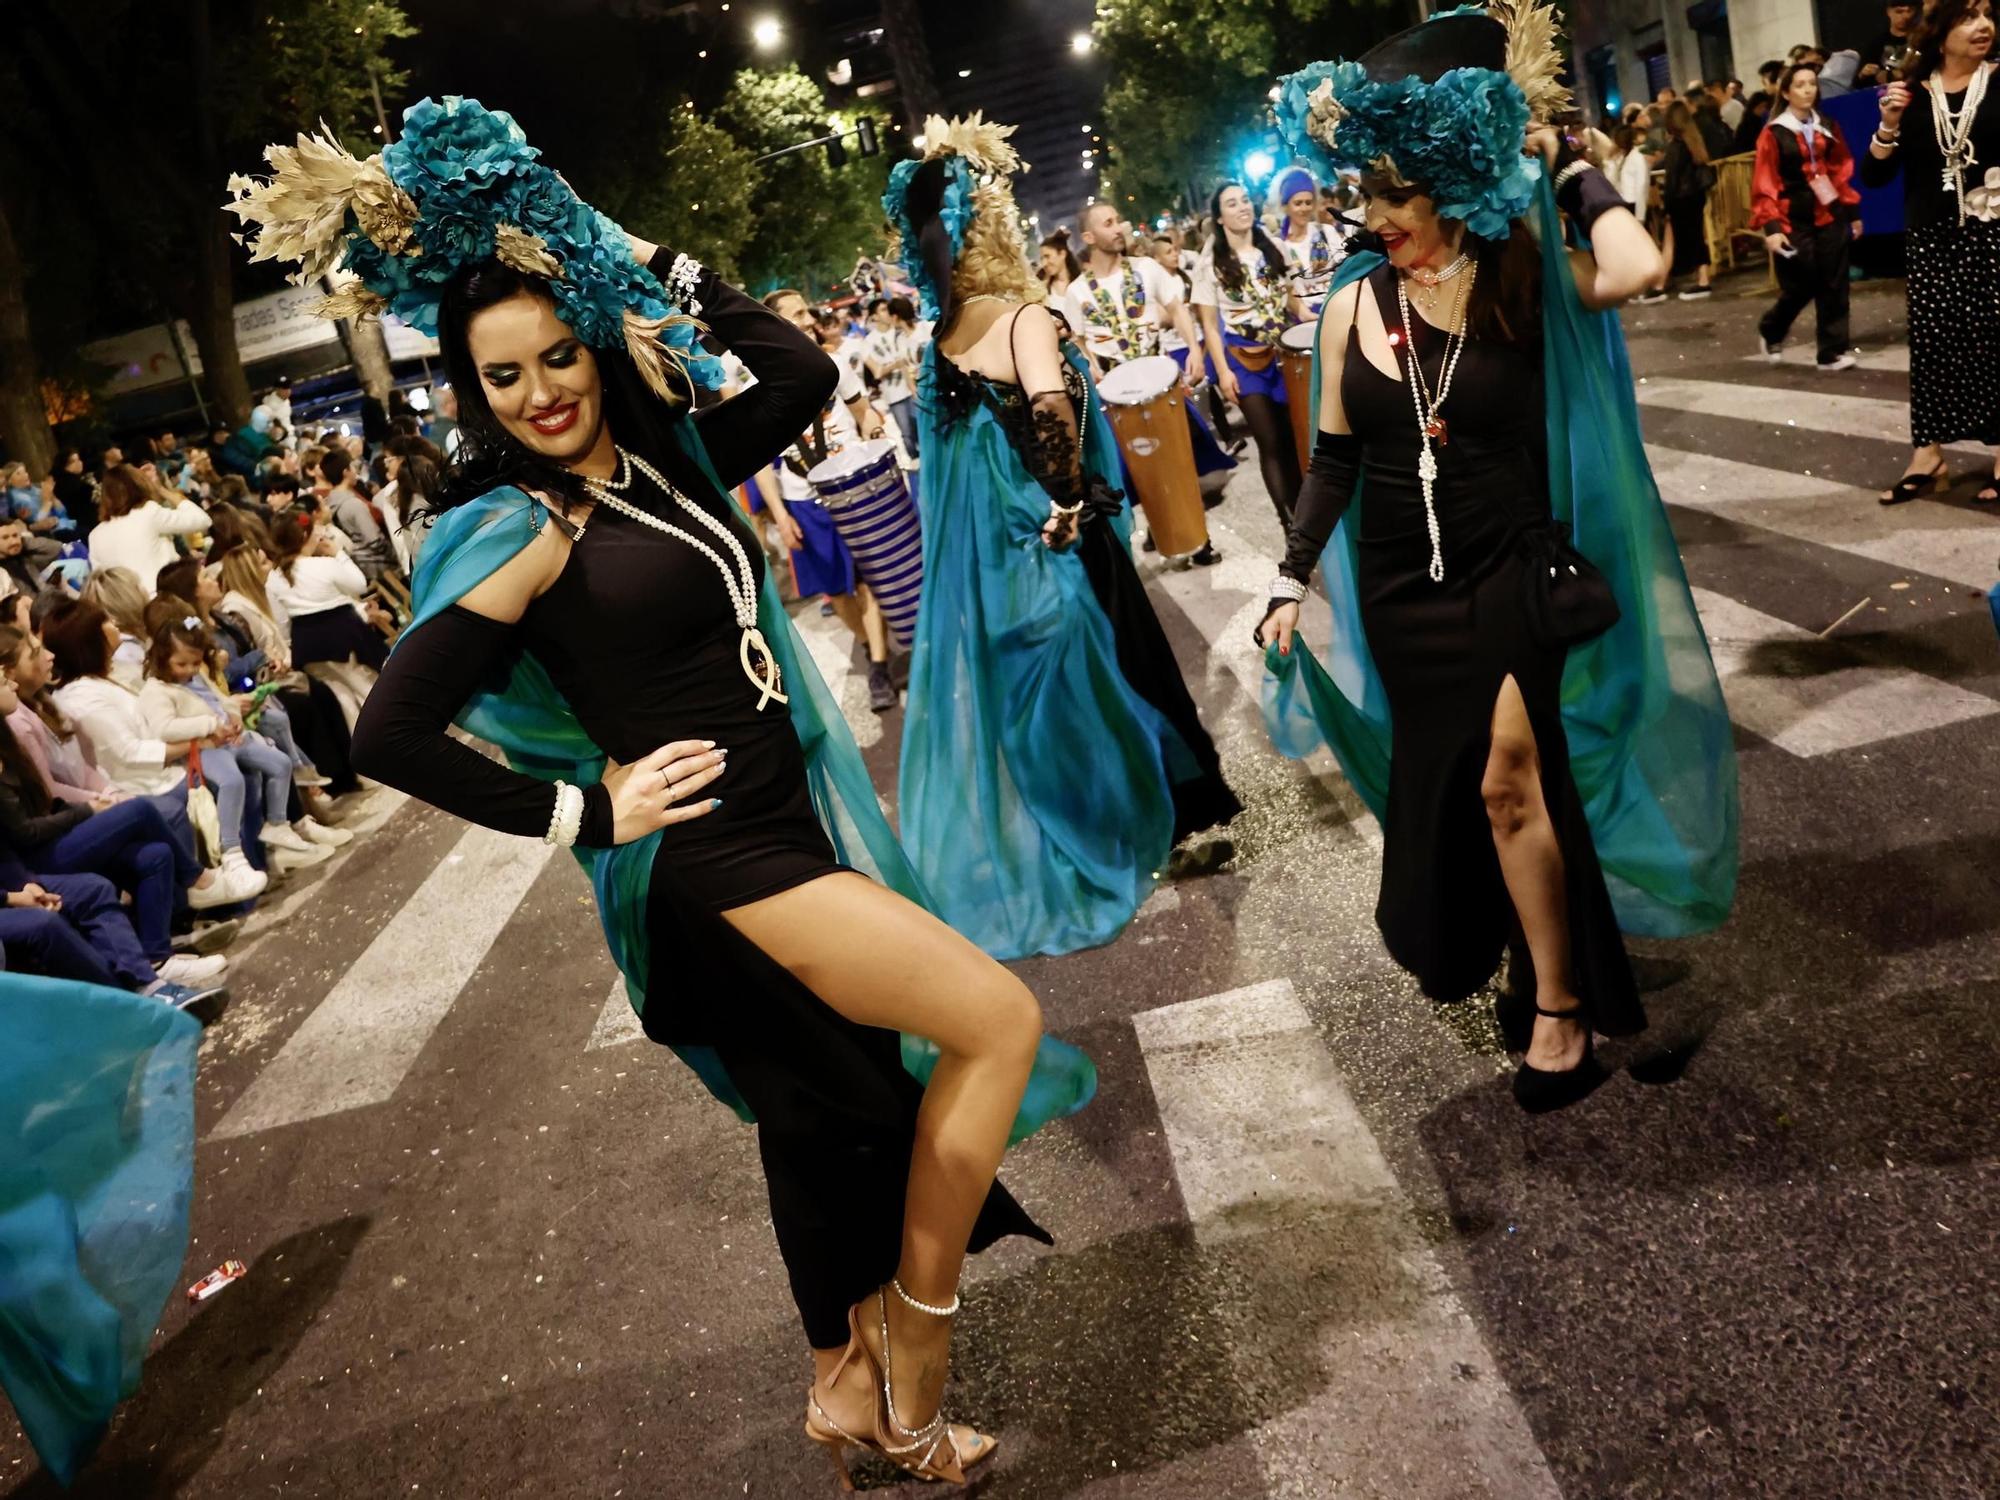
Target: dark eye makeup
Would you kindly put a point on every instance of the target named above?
(557, 357)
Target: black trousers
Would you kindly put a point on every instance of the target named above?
(1817, 274)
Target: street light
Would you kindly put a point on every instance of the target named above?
(1080, 43)
(1259, 164)
(767, 33)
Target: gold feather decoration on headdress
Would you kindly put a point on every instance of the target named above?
(301, 212)
(658, 364)
(514, 246)
(980, 141)
(1534, 61)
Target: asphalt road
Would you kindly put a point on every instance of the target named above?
(498, 1246)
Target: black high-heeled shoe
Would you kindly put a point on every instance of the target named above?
(1541, 1090)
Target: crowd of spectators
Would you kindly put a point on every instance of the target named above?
(187, 635)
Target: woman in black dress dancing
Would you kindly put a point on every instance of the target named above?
(1431, 387)
(627, 590)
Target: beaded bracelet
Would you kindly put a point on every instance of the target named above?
(566, 820)
(1286, 587)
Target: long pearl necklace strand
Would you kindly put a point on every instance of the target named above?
(1954, 131)
(1431, 426)
(759, 665)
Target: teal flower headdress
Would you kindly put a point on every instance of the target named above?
(1444, 106)
(977, 161)
(460, 186)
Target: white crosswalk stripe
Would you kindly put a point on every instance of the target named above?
(1263, 1133)
(1831, 412)
(1896, 359)
(617, 1023)
(362, 1039)
(1781, 696)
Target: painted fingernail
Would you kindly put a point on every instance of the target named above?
(1284, 651)
(714, 802)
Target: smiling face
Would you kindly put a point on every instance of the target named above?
(1303, 206)
(540, 379)
(792, 308)
(1234, 210)
(1412, 232)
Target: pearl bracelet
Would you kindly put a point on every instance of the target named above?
(682, 279)
(1286, 587)
(566, 821)
(1574, 169)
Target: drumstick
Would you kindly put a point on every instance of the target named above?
(1846, 617)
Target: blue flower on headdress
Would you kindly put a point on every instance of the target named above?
(1458, 138)
(469, 170)
(955, 213)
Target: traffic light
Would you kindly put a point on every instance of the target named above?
(836, 148)
(864, 131)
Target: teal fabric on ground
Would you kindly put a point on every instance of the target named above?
(1650, 743)
(96, 1174)
(529, 720)
(1034, 790)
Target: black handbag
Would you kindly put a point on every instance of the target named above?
(1567, 600)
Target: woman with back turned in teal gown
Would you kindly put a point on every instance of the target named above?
(1052, 756)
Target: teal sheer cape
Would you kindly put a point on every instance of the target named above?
(531, 723)
(1650, 743)
(1034, 791)
(96, 1175)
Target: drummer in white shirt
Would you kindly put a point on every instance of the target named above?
(821, 563)
(1312, 248)
(1121, 307)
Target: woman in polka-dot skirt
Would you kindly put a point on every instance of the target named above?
(1952, 207)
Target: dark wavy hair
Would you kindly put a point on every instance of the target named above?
(1935, 22)
(489, 457)
(1228, 269)
(74, 634)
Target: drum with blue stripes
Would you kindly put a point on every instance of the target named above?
(863, 491)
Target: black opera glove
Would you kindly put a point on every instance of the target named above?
(1585, 194)
(1328, 490)
(1054, 456)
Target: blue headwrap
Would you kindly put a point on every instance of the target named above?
(1295, 180)
(460, 186)
(1456, 130)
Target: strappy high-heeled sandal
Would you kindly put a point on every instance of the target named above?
(1540, 1090)
(1916, 486)
(936, 1451)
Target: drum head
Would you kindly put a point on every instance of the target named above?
(850, 461)
(1138, 381)
(1298, 339)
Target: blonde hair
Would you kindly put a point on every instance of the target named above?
(241, 575)
(994, 259)
(118, 592)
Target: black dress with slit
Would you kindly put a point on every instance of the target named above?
(1444, 651)
(638, 635)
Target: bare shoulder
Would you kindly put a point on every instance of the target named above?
(506, 592)
(1035, 321)
(1342, 308)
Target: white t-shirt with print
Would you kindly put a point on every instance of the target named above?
(1084, 313)
(1236, 309)
(892, 346)
(837, 424)
(1312, 284)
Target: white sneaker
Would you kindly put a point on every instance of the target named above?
(249, 881)
(1770, 353)
(195, 973)
(319, 833)
(1695, 294)
(1845, 362)
(309, 776)
(222, 890)
(285, 861)
(280, 836)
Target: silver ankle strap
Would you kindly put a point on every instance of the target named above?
(925, 1307)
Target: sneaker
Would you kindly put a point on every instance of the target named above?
(1769, 353)
(249, 881)
(309, 776)
(206, 1005)
(317, 832)
(208, 937)
(1695, 293)
(280, 836)
(881, 691)
(1845, 362)
(284, 861)
(1648, 298)
(229, 887)
(186, 969)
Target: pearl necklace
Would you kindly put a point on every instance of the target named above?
(1425, 276)
(1431, 426)
(741, 581)
(1954, 131)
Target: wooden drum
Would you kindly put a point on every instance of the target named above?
(1145, 401)
(1296, 350)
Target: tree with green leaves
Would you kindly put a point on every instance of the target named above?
(1192, 78)
(809, 220)
(145, 108)
(686, 183)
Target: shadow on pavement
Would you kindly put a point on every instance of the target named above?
(194, 1382)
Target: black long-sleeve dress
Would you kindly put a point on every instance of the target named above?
(1953, 272)
(639, 636)
(1444, 650)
